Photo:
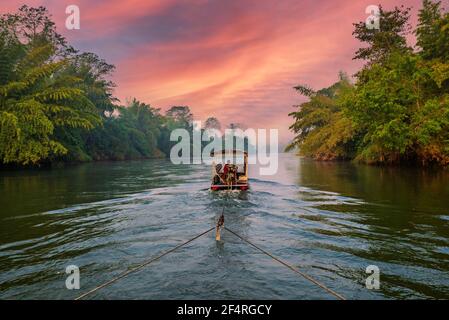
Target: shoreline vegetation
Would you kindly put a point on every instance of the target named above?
(396, 111)
(57, 104)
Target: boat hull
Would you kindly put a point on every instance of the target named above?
(217, 187)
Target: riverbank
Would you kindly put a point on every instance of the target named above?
(404, 164)
(65, 164)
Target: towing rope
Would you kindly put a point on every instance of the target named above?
(339, 296)
(220, 224)
(124, 274)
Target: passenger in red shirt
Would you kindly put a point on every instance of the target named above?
(226, 168)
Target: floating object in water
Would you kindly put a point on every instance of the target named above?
(227, 174)
(220, 224)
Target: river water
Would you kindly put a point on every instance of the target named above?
(330, 220)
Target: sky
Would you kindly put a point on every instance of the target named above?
(236, 60)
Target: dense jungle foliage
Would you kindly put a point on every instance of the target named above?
(397, 108)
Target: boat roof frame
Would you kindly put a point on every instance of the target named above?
(233, 151)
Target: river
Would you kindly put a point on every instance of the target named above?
(330, 220)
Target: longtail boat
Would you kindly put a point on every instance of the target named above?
(229, 170)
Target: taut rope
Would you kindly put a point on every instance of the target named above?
(339, 296)
(135, 269)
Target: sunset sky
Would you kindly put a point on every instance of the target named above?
(236, 60)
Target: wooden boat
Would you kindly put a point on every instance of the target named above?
(229, 170)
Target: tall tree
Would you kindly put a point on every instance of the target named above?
(94, 73)
(322, 129)
(432, 31)
(212, 123)
(397, 111)
(390, 37)
(36, 96)
(181, 115)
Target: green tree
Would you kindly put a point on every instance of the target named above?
(181, 115)
(212, 123)
(398, 109)
(36, 95)
(401, 112)
(322, 129)
(432, 32)
(390, 37)
(131, 132)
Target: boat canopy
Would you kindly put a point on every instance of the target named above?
(237, 157)
(227, 152)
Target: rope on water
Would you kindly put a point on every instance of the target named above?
(135, 269)
(332, 292)
(144, 264)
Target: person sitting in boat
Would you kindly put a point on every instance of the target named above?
(229, 172)
(226, 171)
(226, 168)
(216, 174)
